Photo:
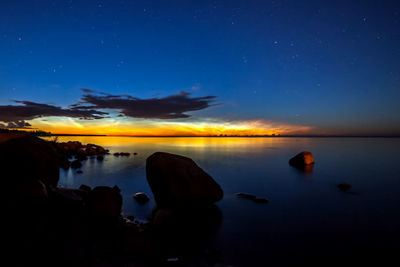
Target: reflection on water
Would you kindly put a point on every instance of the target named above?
(307, 214)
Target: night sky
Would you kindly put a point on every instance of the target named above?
(201, 67)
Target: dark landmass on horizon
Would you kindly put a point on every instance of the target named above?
(43, 133)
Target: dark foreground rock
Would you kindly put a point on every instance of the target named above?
(26, 159)
(177, 181)
(105, 201)
(46, 225)
(303, 160)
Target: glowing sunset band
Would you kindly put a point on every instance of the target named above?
(163, 128)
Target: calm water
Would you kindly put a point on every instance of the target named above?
(307, 213)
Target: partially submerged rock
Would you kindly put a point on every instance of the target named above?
(245, 195)
(344, 186)
(141, 197)
(252, 197)
(261, 200)
(178, 181)
(76, 164)
(302, 160)
(85, 188)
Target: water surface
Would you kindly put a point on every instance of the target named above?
(306, 214)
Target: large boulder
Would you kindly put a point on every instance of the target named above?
(177, 181)
(303, 160)
(105, 201)
(26, 159)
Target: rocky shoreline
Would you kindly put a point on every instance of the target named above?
(48, 224)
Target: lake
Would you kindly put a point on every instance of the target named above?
(306, 215)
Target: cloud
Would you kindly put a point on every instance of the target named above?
(170, 107)
(16, 115)
(92, 104)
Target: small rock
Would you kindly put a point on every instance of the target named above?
(302, 159)
(134, 153)
(65, 164)
(344, 186)
(116, 154)
(79, 171)
(116, 188)
(100, 157)
(261, 200)
(141, 197)
(246, 196)
(76, 164)
(85, 188)
(125, 154)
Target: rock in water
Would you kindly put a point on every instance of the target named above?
(302, 160)
(141, 197)
(105, 201)
(344, 186)
(177, 181)
(245, 195)
(76, 164)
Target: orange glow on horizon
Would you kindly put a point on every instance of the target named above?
(114, 127)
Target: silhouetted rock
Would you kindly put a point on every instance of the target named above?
(252, 197)
(302, 160)
(79, 171)
(100, 157)
(75, 148)
(162, 219)
(344, 186)
(81, 155)
(85, 188)
(134, 153)
(117, 154)
(178, 181)
(141, 197)
(76, 164)
(247, 196)
(33, 190)
(261, 200)
(27, 158)
(105, 201)
(70, 194)
(125, 154)
(65, 163)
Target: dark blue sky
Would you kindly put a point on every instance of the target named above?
(331, 65)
